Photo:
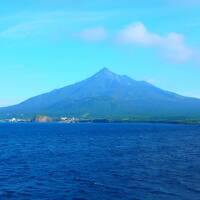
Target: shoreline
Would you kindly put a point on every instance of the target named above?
(105, 122)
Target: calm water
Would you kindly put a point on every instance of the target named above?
(99, 161)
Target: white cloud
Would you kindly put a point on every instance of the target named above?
(172, 45)
(25, 25)
(94, 34)
(23, 30)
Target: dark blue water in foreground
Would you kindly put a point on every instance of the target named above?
(99, 161)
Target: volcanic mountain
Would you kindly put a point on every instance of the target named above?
(110, 96)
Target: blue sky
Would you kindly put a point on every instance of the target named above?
(47, 44)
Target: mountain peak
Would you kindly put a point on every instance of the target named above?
(105, 72)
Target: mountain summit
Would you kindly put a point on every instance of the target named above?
(111, 96)
(104, 71)
(105, 74)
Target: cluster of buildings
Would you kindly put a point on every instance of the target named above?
(15, 120)
(43, 119)
(69, 120)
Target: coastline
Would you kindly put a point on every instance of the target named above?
(107, 122)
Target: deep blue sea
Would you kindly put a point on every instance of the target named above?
(99, 161)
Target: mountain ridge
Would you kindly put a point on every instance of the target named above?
(108, 95)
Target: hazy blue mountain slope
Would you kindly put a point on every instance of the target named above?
(108, 95)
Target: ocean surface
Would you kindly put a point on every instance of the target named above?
(99, 161)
